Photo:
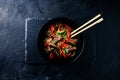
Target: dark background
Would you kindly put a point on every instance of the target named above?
(12, 29)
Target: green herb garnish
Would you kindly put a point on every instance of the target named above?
(64, 34)
(65, 51)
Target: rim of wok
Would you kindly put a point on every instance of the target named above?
(42, 35)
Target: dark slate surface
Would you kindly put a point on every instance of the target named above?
(12, 30)
(108, 42)
(32, 28)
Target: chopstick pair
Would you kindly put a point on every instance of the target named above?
(83, 28)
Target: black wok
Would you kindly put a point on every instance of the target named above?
(42, 35)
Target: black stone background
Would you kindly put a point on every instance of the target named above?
(107, 36)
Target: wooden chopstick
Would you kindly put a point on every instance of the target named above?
(86, 23)
(89, 26)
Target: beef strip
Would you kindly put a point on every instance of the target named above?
(57, 38)
(72, 41)
(72, 48)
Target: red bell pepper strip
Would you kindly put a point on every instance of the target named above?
(63, 54)
(52, 28)
(68, 30)
(64, 45)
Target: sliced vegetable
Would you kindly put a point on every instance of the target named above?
(60, 31)
(52, 28)
(64, 45)
(68, 30)
(65, 51)
(57, 33)
(68, 34)
(64, 34)
(63, 54)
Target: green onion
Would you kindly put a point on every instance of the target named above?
(64, 34)
(57, 33)
(65, 51)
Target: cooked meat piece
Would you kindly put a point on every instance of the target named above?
(70, 54)
(49, 35)
(62, 28)
(49, 40)
(72, 48)
(54, 46)
(57, 38)
(48, 48)
(72, 41)
(59, 43)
